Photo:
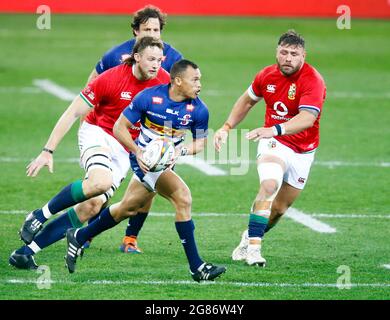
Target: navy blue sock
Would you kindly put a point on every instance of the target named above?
(135, 224)
(25, 250)
(92, 219)
(185, 229)
(53, 231)
(67, 197)
(104, 222)
(257, 226)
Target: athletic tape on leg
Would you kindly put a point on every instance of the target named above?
(271, 171)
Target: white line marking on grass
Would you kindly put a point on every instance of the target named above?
(24, 90)
(351, 216)
(386, 266)
(309, 221)
(202, 165)
(55, 89)
(219, 214)
(188, 282)
(207, 165)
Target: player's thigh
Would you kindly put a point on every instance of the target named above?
(136, 196)
(172, 187)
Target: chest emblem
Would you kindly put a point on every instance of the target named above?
(292, 91)
(185, 120)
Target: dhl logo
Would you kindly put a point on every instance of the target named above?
(163, 130)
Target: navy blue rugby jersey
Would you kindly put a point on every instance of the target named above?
(161, 116)
(119, 53)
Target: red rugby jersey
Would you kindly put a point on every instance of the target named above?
(286, 96)
(112, 91)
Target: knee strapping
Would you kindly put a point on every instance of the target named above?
(108, 194)
(271, 171)
(101, 160)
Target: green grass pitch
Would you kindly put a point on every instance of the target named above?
(302, 263)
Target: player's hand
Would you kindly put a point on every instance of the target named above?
(44, 159)
(178, 153)
(140, 160)
(260, 133)
(220, 138)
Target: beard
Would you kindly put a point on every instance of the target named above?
(288, 71)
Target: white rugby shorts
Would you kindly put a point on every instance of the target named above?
(93, 136)
(297, 164)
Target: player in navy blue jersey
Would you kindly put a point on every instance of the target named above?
(164, 110)
(148, 21)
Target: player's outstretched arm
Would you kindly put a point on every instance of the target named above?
(238, 113)
(76, 109)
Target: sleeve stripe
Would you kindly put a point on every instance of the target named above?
(252, 95)
(310, 107)
(86, 100)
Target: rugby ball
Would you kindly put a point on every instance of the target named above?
(158, 154)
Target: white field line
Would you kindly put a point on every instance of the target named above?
(351, 216)
(309, 221)
(386, 266)
(328, 164)
(55, 89)
(294, 214)
(218, 214)
(188, 282)
(24, 90)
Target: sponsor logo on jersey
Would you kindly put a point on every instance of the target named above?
(174, 112)
(190, 107)
(165, 129)
(157, 100)
(125, 95)
(301, 180)
(185, 120)
(271, 88)
(292, 91)
(281, 110)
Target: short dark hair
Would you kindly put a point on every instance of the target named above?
(291, 38)
(142, 15)
(181, 66)
(141, 45)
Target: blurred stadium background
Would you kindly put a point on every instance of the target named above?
(334, 244)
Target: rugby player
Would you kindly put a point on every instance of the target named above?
(165, 110)
(103, 158)
(294, 93)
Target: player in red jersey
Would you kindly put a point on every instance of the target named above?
(294, 93)
(103, 158)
